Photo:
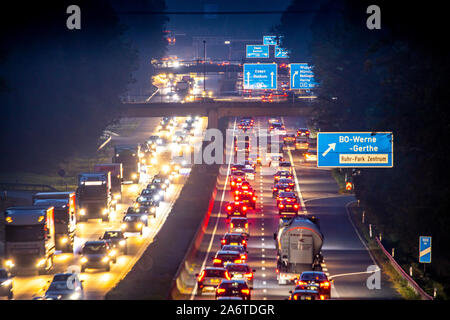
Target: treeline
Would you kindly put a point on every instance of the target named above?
(392, 79)
(59, 88)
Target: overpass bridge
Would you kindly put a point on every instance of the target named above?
(217, 109)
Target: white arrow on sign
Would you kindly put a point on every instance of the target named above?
(293, 77)
(271, 79)
(331, 146)
(248, 78)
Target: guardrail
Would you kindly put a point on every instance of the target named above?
(411, 283)
(186, 270)
(6, 186)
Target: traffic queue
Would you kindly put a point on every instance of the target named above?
(35, 234)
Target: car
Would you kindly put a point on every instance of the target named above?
(162, 179)
(249, 173)
(234, 239)
(133, 223)
(210, 277)
(239, 225)
(250, 163)
(141, 212)
(65, 286)
(237, 167)
(151, 194)
(223, 257)
(97, 255)
(247, 197)
(301, 143)
(239, 271)
(285, 165)
(302, 294)
(116, 239)
(289, 140)
(303, 132)
(146, 205)
(236, 180)
(277, 128)
(6, 284)
(280, 186)
(288, 206)
(282, 174)
(310, 155)
(233, 288)
(315, 280)
(239, 248)
(275, 159)
(236, 208)
(287, 195)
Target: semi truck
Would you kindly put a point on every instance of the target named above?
(29, 239)
(64, 204)
(116, 171)
(94, 196)
(299, 244)
(129, 156)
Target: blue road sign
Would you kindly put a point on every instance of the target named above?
(270, 40)
(281, 53)
(254, 51)
(260, 76)
(424, 249)
(301, 76)
(355, 149)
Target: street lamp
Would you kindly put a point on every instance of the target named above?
(204, 65)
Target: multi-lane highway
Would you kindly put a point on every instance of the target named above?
(97, 282)
(346, 258)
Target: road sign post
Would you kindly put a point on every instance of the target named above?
(260, 76)
(424, 249)
(355, 149)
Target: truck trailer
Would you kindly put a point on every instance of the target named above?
(129, 156)
(94, 196)
(65, 216)
(116, 170)
(29, 239)
(298, 243)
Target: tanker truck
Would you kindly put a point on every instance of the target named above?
(298, 243)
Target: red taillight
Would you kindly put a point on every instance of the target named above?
(248, 275)
(244, 208)
(254, 198)
(217, 260)
(322, 297)
(296, 206)
(229, 208)
(236, 198)
(233, 183)
(232, 225)
(246, 225)
(243, 256)
(238, 261)
(245, 291)
(295, 297)
(220, 290)
(275, 189)
(227, 275)
(244, 241)
(325, 284)
(301, 283)
(201, 276)
(223, 241)
(281, 206)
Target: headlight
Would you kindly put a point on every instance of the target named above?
(75, 296)
(140, 225)
(9, 263)
(113, 253)
(123, 225)
(152, 209)
(83, 259)
(40, 263)
(164, 186)
(105, 211)
(154, 161)
(105, 259)
(143, 218)
(82, 212)
(64, 240)
(156, 197)
(122, 242)
(134, 176)
(165, 168)
(6, 282)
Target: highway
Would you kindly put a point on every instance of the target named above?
(345, 256)
(97, 282)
